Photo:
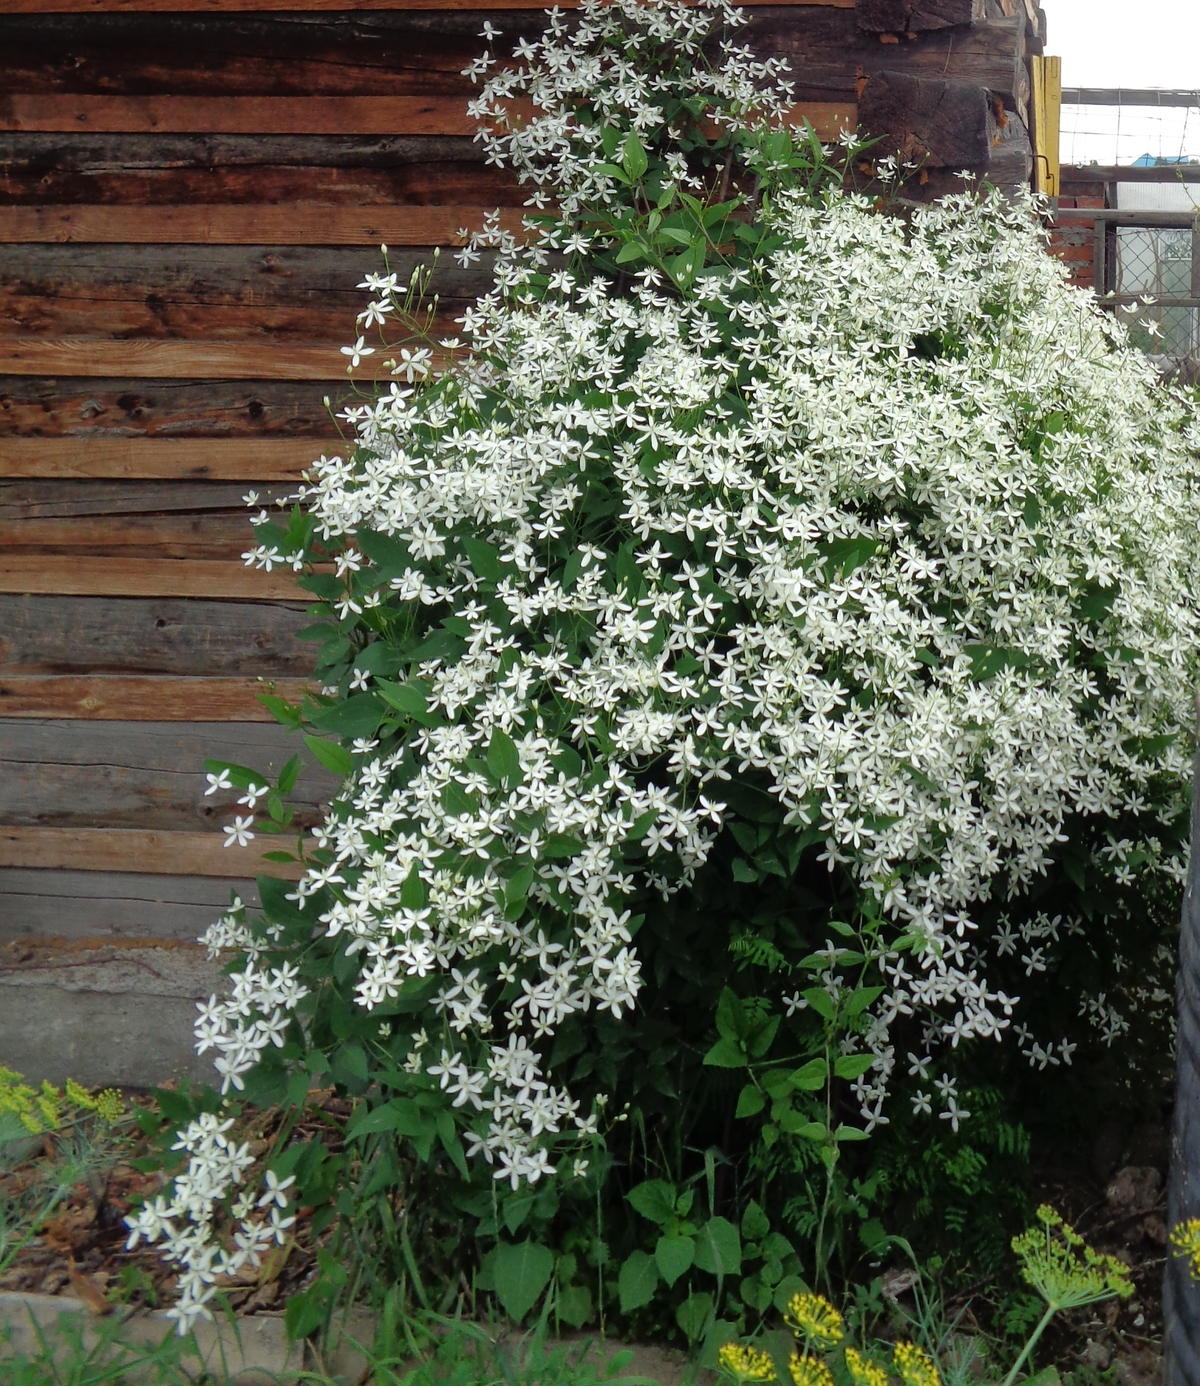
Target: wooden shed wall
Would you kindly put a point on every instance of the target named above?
(188, 198)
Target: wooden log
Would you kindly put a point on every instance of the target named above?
(98, 500)
(180, 360)
(296, 224)
(353, 171)
(1131, 96)
(92, 410)
(303, 6)
(930, 122)
(173, 459)
(116, 698)
(148, 536)
(908, 16)
(1092, 175)
(140, 851)
(113, 905)
(132, 577)
(829, 51)
(151, 637)
(68, 773)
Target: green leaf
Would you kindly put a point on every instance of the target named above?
(673, 1256)
(750, 1101)
(289, 775)
(633, 157)
(852, 1065)
(574, 1305)
(655, 1200)
(810, 1077)
(484, 559)
(631, 250)
(726, 1053)
(331, 755)
(409, 698)
(520, 1272)
(503, 760)
(755, 1223)
(401, 1115)
(719, 1247)
(637, 1281)
(358, 715)
(694, 1314)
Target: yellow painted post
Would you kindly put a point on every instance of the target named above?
(1046, 83)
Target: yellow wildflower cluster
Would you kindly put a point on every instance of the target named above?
(1185, 1241)
(864, 1372)
(41, 1109)
(809, 1371)
(749, 1366)
(813, 1318)
(1063, 1269)
(915, 1366)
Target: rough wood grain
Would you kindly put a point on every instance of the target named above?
(117, 698)
(927, 121)
(231, 293)
(135, 577)
(908, 16)
(173, 459)
(214, 536)
(296, 224)
(142, 775)
(166, 359)
(237, 6)
(140, 851)
(91, 410)
(113, 904)
(88, 498)
(199, 638)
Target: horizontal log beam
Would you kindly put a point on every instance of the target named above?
(1127, 173)
(311, 6)
(909, 16)
(140, 851)
(283, 115)
(168, 359)
(117, 698)
(57, 575)
(269, 224)
(166, 459)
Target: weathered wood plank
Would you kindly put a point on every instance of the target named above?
(140, 851)
(118, 409)
(132, 577)
(195, 639)
(297, 224)
(1127, 173)
(355, 171)
(236, 6)
(282, 292)
(927, 121)
(89, 498)
(130, 775)
(909, 16)
(115, 697)
(213, 536)
(285, 115)
(113, 904)
(70, 773)
(173, 459)
(1130, 96)
(177, 360)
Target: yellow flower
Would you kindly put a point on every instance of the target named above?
(864, 1372)
(746, 1364)
(815, 1319)
(1063, 1269)
(915, 1366)
(809, 1371)
(1185, 1241)
(109, 1105)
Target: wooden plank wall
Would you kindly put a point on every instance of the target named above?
(190, 191)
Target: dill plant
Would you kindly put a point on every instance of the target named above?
(719, 659)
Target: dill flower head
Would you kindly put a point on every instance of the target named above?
(813, 1318)
(1185, 1241)
(746, 1364)
(864, 1372)
(808, 1371)
(1063, 1269)
(915, 1366)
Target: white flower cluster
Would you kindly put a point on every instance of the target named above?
(889, 522)
(631, 65)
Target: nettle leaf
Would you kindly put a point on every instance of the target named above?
(520, 1273)
(755, 1223)
(719, 1247)
(673, 1256)
(694, 1315)
(655, 1200)
(637, 1281)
